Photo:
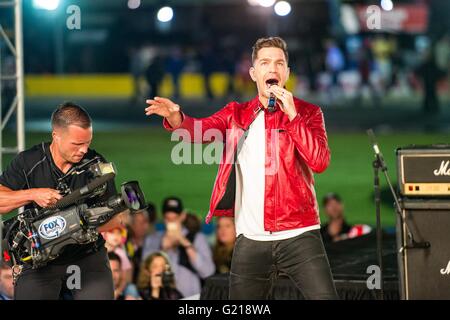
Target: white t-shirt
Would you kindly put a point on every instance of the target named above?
(250, 185)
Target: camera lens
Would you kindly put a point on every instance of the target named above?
(133, 198)
(132, 195)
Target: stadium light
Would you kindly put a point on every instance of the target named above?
(387, 5)
(282, 8)
(266, 3)
(253, 2)
(165, 14)
(134, 4)
(46, 4)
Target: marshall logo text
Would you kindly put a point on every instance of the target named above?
(443, 170)
(446, 270)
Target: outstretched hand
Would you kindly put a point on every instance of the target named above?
(161, 106)
(165, 108)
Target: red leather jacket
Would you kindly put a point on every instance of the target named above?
(295, 149)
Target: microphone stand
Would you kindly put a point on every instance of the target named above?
(379, 164)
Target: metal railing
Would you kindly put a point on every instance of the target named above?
(18, 104)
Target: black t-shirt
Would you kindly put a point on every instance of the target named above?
(35, 168)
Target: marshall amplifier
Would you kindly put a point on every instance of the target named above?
(424, 171)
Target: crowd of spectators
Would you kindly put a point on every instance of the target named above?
(361, 67)
(170, 260)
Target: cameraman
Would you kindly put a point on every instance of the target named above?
(31, 180)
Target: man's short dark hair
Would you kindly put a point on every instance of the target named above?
(331, 196)
(270, 42)
(69, 113)
(112, 256)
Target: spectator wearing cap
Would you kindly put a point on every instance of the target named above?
(188, 249)
(142, 223)
(337, 228)
(6, 282)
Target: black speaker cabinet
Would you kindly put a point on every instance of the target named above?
(424, 272)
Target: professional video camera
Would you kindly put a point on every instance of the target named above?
(38, 236)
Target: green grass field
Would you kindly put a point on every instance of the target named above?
(145, 155)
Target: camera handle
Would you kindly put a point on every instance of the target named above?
(80, 193)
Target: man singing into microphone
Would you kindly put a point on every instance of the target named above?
(268, 186)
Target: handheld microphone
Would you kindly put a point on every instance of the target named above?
(272, 103)
(271, 106)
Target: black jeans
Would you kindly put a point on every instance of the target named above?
(256, 264)
(47, 282)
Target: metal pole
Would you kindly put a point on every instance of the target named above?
(19, 100)
(376, 170)
(20, 77)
